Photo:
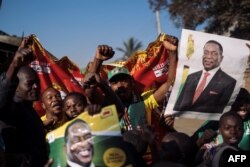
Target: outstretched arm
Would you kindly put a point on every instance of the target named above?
(160, 93)
(8, 80)
(103, 53)
(22, 57)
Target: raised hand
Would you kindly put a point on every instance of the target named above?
(23, 54)
(169, 46)
(169, 121)
(104, 52)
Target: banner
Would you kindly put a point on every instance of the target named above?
(109, 147)
(61, 74)
(71, 68)
(149, 67)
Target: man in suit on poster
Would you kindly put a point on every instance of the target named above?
(208, 90)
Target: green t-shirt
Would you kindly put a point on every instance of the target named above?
(139, 112)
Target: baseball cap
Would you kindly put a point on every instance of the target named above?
(118, 71)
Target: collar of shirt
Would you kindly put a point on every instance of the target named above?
(211, 72)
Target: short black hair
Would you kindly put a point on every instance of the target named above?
(77, 95)
(176, 147)
(230, 114)
(49, 87)
(217, 43)
(242, 98)
(26, 70)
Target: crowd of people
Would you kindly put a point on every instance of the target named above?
(23, 131)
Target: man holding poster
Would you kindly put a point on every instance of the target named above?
(208, 90)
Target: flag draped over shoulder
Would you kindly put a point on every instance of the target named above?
(61, 74)
(150, 67)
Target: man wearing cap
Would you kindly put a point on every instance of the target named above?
(122, 83)
(134, 109)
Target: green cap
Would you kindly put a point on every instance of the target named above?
(117, 71)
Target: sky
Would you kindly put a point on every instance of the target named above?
(75, 28)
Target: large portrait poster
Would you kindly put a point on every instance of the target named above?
(209, 75)
(102, 140)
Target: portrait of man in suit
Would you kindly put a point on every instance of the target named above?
(208, 90)
(79, 144)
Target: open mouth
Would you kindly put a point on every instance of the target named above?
(74, 114)
(85, 153)
(56, 105)
(242, 112)
(233, 140)
(122, 93)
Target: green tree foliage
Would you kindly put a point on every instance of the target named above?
(129, 47)
(223, 17)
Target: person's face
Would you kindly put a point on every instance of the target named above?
(79, 147)
(73, 106)
(211, 56)
(122, 85)
(231, 130)
(52, 101)
(244, 111)
(28, 87)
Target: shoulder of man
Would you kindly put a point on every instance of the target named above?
(226, 76)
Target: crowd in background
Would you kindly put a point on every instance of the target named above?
(23, 131)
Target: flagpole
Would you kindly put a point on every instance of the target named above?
(158, 22)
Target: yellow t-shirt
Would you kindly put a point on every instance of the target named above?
(54, 126)
(43, 118)
(150, 104)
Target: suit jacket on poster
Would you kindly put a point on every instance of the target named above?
(214, 97)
